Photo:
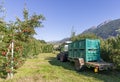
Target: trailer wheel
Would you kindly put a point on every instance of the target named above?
(78, 65)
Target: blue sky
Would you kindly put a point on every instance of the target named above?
(62, 15)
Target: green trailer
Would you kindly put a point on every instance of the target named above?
(85, 53)
(87, 49)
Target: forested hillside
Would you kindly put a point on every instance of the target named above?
(108, 29)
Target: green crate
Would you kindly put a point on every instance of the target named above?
(70, 52)
(92, 44)
(81, 53)
(88, 49)
(70, 46)
(93, 55)
(75, 53)
(75, 45)
(82, 44)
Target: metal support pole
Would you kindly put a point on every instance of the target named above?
(12, 59)
(10, 75)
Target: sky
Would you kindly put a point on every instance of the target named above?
(63, 15)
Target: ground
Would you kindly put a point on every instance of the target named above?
(46, 68)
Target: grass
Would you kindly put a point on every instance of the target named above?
(46, 68)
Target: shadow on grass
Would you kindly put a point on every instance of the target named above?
(105, 76)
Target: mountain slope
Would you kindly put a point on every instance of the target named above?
(59, 42)
(106, 29)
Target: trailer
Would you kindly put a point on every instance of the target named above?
(84, 53)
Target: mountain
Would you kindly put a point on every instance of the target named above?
(59, 42)
(90, 30)
(106, 29)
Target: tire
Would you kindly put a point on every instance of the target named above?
(63, 57)
(78, 65)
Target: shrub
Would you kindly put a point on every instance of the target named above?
(110, 51)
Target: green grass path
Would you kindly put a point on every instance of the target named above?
(45, 68)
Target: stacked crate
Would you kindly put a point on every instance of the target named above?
(87, 49)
